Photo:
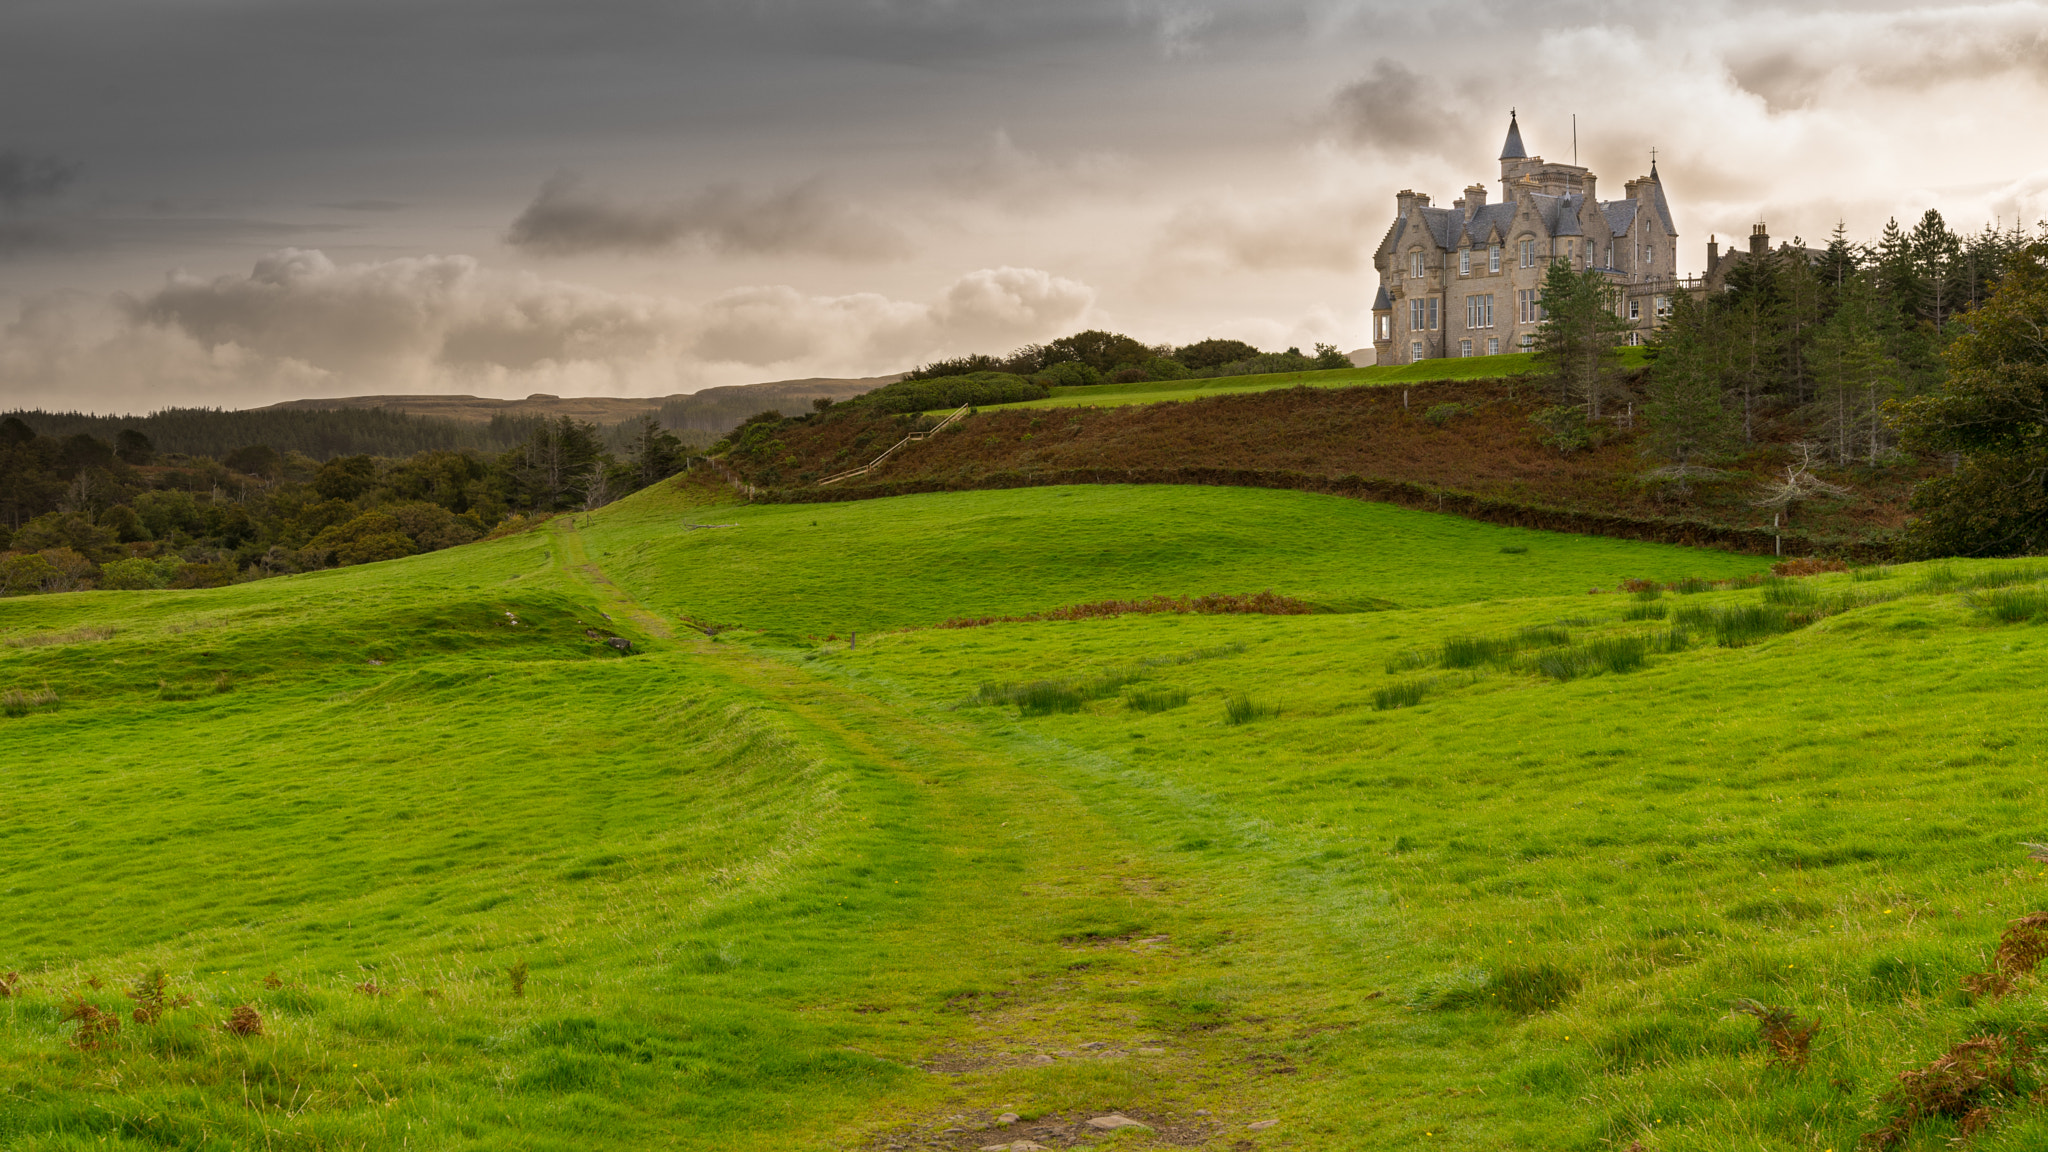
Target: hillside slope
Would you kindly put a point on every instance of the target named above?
(1479, 456)
(1484, 867)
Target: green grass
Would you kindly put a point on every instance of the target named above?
(799, 570)
(1238, 868)
(1426, 371)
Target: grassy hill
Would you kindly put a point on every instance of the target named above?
(1461, 445)
(1470, 859)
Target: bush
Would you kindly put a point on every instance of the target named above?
(140, 573)
(906, 396)
(1564, 427)
(1442, 414)
(1067, 374)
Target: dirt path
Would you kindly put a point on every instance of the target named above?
(1022, 864)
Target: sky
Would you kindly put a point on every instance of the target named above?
(234, 202)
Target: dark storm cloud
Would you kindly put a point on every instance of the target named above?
(1392, 109)
(24, 178)
(566, 219)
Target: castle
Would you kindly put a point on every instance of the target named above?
(1467, 280)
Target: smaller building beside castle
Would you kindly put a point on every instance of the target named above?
(1467, 280)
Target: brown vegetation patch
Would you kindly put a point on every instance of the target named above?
(1361, 442)
(1223, 604)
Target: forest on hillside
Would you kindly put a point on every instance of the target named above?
(80, 510)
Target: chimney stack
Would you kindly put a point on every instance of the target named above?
(1759, 240)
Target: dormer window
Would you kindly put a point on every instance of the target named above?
(1493, 258)
(1464, 261)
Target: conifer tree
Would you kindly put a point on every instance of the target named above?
(1688, 424)
(1578, 344)
(1855, 375)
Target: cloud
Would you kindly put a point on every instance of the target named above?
(25, 178)
(301, 324)
(1021, 180)
(565, 219)
(1392, 109)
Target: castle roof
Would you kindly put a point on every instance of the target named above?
(1663, 208)
(1382, 302)
(1512, 149)
(1621, 214)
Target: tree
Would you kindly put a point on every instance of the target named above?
(1854, 376)
(1754, 329)
(1937, 257)
(1578, 343)
(1992, 413)
(1688, 425)
(1213, 353)
(658, 454)
(556, 460)
(1329, 356)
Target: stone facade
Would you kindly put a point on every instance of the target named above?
(1466, 280)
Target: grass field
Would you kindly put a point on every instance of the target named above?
(1155, 391)
(1484, 867)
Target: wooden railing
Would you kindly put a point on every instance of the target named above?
(871, 465)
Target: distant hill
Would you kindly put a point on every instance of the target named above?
(701, 416)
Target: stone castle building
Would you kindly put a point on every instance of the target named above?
(1466, 280)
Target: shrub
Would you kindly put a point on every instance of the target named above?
(96, 1026)
(245, 1021)
(1156, 699)
(1442, 414)
(517, 975)
(1242, 709)
(1564, 427)
(1966, 1084)
(139, 573)
(1789, 1038)
(906, 396)
(1066, 374)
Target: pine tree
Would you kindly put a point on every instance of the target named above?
(1578, 344)
(1936, 256)
(1688, 424)
(1855, 375)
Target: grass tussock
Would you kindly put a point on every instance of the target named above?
(1656, 611)
(1068, 694)
(81, 635)
(1406, 694)
(22, 701)
(1159, 699)
(1240, 708)
(1266, 603)
(1808, 566)
(1523, 989)
(2012, 605)
(1608, 654)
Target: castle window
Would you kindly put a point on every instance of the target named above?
(1422, 315)
(1493, 345)
(1479, 311)
(1526, 306)
(1386, 327)
(1528, 253)
(1493, 258)
(1464, 262)
(1635, 309)
(1663, 307)
(1649, 256)
(1465, 348)
(1415, 350)
(1415, 266)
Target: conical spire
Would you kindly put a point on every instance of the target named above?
(1513, 150)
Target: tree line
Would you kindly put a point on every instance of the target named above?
(1843, 351)
(83, 511)
(1098, 357)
